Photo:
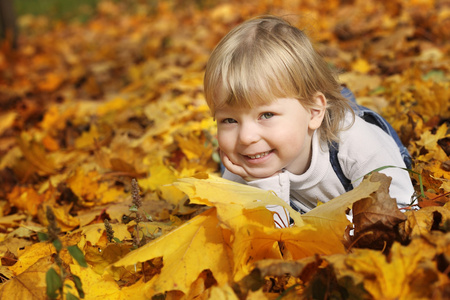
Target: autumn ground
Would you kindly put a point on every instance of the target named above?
(87, 108)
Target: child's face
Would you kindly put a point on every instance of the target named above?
(259, 142)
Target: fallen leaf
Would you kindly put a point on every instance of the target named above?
(402, 275)
(361, 65)
(182, 261)
(376, 217)
(30, 255)
(27, 199)
(421, 222)
(29, 284)
(218, 192)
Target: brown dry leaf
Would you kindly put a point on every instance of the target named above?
(376, 217)
(275, 267)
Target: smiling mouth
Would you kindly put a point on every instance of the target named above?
(259, 155)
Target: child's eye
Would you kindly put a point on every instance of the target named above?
(228, 121)
(267, 115)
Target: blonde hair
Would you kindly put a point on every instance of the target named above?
(267, 58)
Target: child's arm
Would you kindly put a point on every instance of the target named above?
(366, 147)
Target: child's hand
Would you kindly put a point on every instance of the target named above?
(237, 169)
(233, 168)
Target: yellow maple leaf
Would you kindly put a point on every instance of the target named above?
(224, 292)
(445, 186)
(51, 82)
(84, 184)
(90, 189)
(361, 65)
(429, 140)
(171, 194)
(221, 193)
(96, 135)
(406, 275)
(30, 255)
(27, 199)
(112, 106)
(7, 120)
(104, 286)
(159, 175)
(95, 231)
(64, 219)
(329, 218)
(36, 155)
(420, 222)
(183, 261)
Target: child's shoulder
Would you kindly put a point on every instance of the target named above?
(364, 136)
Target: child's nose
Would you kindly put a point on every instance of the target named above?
(248, 134)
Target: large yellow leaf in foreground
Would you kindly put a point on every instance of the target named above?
(240, 209)
(238, 231)
(197, 245)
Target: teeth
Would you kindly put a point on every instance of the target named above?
(259, 155)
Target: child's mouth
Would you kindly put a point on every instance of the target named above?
(259, 155)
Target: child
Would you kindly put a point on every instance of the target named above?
(279, 112)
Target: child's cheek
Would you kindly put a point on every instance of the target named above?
(226, 142)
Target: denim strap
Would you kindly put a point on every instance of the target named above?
(333, 148)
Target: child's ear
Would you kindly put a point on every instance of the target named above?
(318, 112)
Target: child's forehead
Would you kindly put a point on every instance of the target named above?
(225, 108)
(237, 108)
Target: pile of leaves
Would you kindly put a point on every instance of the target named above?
(107, 146)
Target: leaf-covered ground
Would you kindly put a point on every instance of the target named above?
(87, 108)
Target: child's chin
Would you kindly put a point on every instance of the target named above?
(262, 174)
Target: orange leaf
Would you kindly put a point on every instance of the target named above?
(27, 199)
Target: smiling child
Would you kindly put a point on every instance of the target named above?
(279, 112)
